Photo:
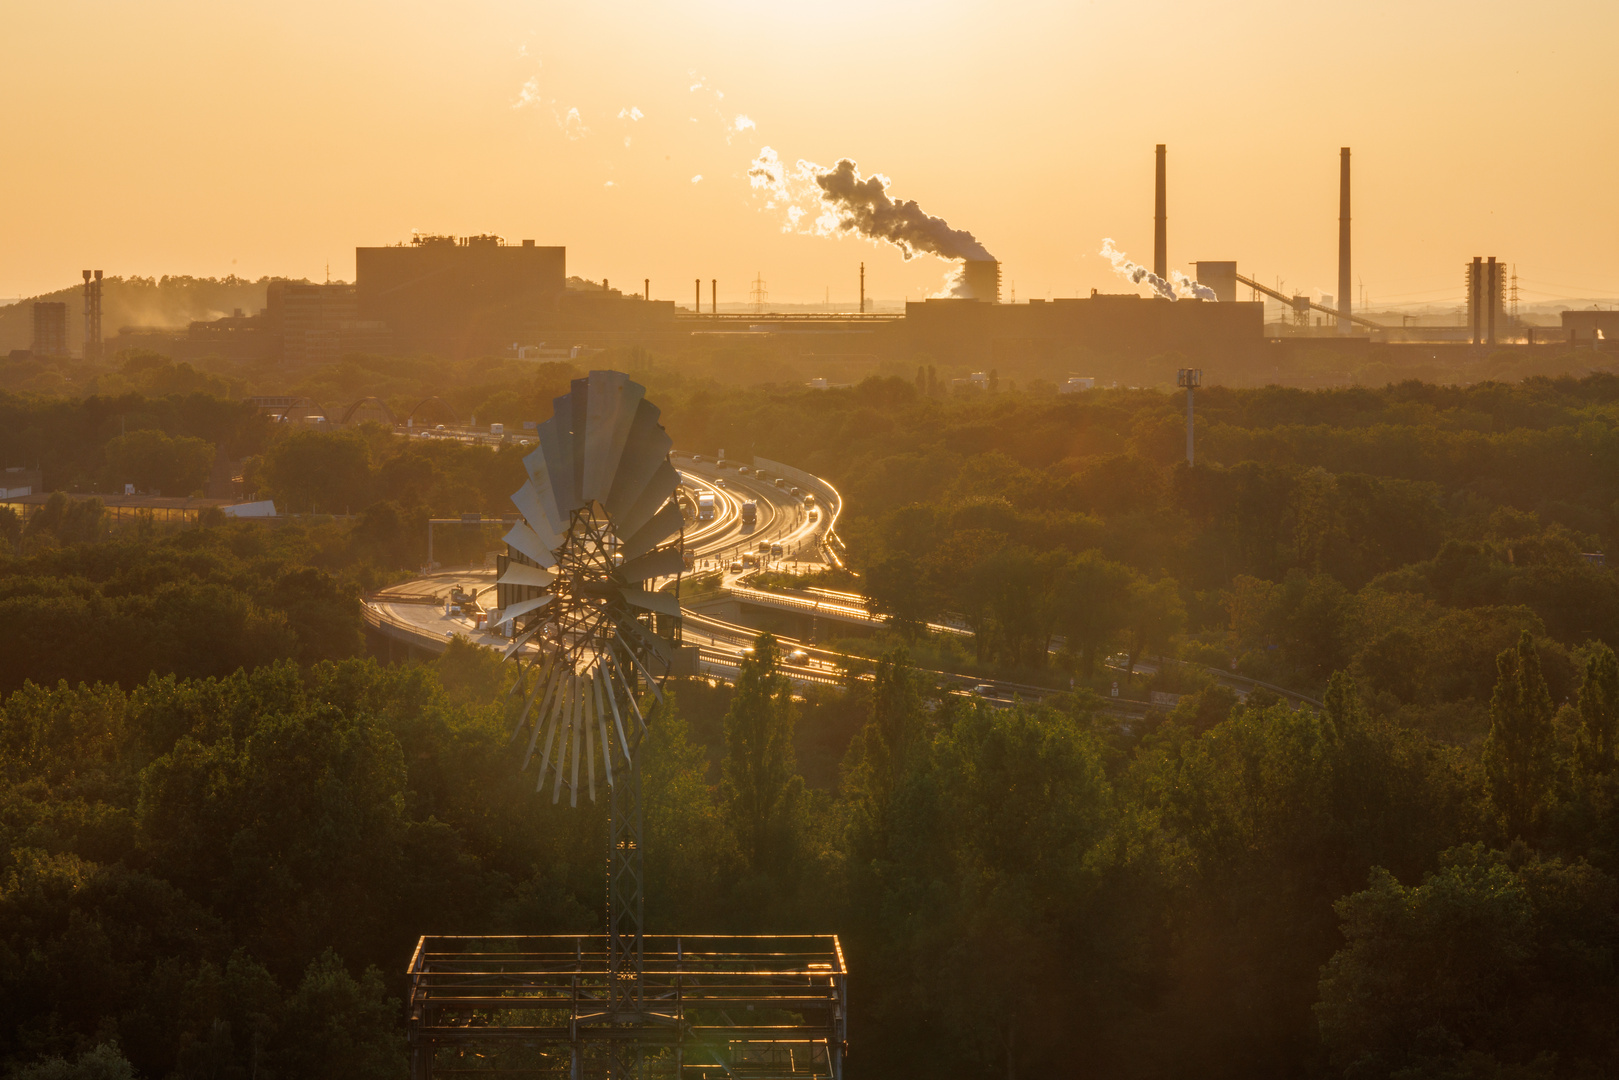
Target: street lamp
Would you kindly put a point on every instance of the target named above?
(1191, 378)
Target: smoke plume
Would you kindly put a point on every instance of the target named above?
(839, 201)
(1191, 288)
(863, 206)
(1180, 285)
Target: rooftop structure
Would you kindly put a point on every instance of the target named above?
(709, 1008)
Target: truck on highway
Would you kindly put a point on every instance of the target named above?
(705, 506)
(497, 429)
(750, 512)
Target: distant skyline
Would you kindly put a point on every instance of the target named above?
(183, 137)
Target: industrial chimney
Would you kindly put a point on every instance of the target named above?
(1345, 282)
(1160, 228)
(92, 315)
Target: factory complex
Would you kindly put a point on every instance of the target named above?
(459, 297)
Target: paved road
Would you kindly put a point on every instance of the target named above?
(417, 612)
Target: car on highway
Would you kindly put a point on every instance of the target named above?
(794, 492)
(697, 457)
(746, 652)
(781, 483)
(438, 427)
(775, 551)
(983, 690)
(796, 656)
(743, 469)
(736, 566)
(720, 482)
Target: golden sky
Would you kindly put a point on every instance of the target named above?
(215, 136)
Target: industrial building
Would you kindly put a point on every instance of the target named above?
(50, 328)
(1592, 328)
(1125, 326)
(316, 323)
(457, 296)
(471, 295)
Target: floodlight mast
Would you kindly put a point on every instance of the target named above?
(1191, 378)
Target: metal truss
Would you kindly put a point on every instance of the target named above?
(710, 1008)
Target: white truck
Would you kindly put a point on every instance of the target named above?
(705, 506)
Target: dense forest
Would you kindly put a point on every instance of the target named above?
(222, 826)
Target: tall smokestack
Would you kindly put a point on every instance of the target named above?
(1492, 289)
(1345, 282)
(1160, 224)
(862, 288)
(697, 300)
(714, 296)
(92, 315)
(1475, 294)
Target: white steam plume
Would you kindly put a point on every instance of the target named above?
(818, 201)
(862, 206)
(1180, 286)
(1134, 272)
(1190, 287)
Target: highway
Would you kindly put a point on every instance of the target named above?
(417, 613)
(782, 518)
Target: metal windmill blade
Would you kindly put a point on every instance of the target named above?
(599, 523)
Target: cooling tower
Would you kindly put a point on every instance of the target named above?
(981, 280)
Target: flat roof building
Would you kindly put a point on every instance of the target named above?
(458, 296)
(50, 328)
(1125, 326)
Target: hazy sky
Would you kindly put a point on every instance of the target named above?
(215, 136)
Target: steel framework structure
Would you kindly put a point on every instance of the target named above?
(714, 1008)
